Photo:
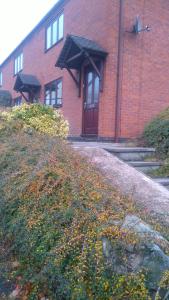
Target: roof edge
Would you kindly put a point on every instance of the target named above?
(40, 23)
(81, 46)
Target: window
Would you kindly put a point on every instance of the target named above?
(18, 64)
(54, 32)
(0, 78)
(18, 101)
(53, 93)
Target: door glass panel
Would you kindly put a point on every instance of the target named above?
(89, 93)
(90, 77)
(89, 88)
(96, 89)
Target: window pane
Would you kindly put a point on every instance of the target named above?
(61, 25)
(18, 65)
(96, 89)
(18, 101)
(47, 97)
(55, 24)
(53, 97)
(48, 38)
(59, 93)
(21, 61)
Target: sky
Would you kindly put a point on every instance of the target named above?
(17, 19)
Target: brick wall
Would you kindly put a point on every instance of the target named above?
(145, 88)
(145, 65)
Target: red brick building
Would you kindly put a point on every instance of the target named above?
(107, 71)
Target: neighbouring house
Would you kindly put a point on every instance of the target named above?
(104, 63)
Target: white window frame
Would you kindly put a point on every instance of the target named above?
(18, 63)
(55, 101)
(57, 26)
(18, 101)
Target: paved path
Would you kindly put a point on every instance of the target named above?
(153, 197)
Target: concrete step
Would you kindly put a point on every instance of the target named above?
(145, 166)
(131, 153)
(162, 180)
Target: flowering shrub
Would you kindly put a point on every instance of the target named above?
(38, 117)
(55, 210)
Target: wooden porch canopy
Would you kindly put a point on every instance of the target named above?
(77, 49)
(26, 83)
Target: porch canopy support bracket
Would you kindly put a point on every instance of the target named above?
(99, 73)
(91, 60)
(22, 94)
(77, 81)
(73, 76)
(75, 57)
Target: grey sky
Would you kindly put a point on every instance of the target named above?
(17, 19)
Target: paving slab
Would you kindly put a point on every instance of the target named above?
(102, 145)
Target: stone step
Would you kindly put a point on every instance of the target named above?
(131, 153)
(162, 180)
(145, 166)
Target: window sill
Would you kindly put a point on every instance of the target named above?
(57, 106)
(58, 42)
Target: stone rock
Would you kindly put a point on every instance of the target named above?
(146, 256)
(155, 262)
(144, 230)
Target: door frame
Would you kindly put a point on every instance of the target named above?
(84, 68)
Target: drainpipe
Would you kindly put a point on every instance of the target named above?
(119, 72)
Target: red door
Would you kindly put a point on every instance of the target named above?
(91, 102)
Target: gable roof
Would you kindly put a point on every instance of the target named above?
(74, 50)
